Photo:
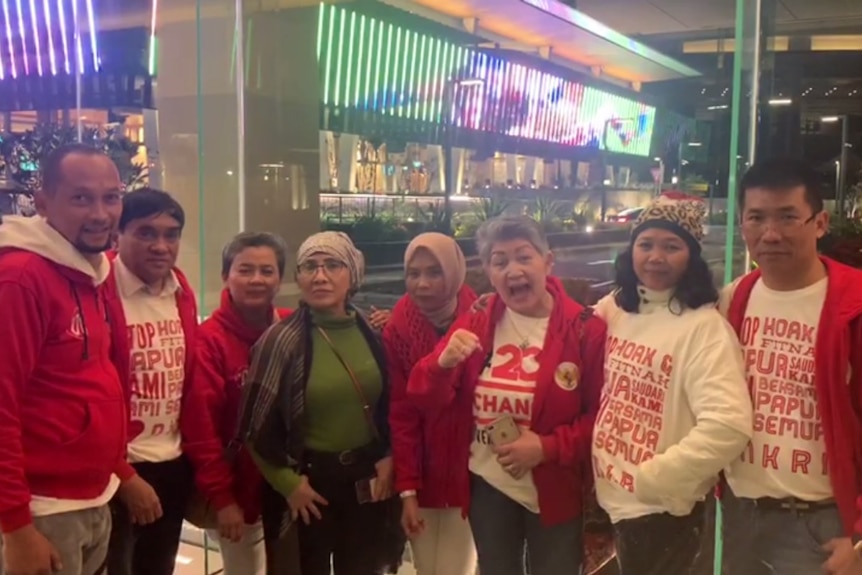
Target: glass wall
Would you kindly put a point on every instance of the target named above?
(246, 110)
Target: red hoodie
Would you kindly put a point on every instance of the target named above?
(837, 362)
(121, 349)
(421, 442)
(563, 419)
(224, 343)
(62, 415)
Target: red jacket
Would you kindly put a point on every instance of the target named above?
(222, 351)
(121, 344)
(563, 419)
(421, 441)
(62, 416)
(838, 347)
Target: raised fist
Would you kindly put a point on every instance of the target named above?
(461, 345)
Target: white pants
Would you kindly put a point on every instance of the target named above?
(445, 546)
(247, 557)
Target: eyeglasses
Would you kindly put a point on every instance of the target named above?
(329, 267)
(782, 223)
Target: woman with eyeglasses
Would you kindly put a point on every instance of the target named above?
(315, 417)
(252, 268)
(675, 408)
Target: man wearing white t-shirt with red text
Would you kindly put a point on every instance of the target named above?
(790, 499)
(154, 317)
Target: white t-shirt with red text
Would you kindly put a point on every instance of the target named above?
(674, 409)
(157, 363)
(787, 454)
(507, 387)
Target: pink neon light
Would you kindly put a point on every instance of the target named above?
(46, 6)
(9, 38)
(33, 19)
(23, 35)
(63, 34)
(38, 42)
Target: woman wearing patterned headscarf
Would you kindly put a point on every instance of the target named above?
(440, 537)
(675, 408)
(315, 417)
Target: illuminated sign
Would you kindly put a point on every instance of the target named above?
(369, 64)
(37, 37)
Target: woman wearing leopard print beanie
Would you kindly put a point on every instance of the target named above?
(675, 407)
(440, 537)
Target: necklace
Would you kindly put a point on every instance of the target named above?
(525, 340)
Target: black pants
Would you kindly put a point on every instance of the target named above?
(152, 549)
(660, 544)
(511, 540)
(357, 539)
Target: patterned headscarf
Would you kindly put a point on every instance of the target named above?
(682, 215)
(338, 246)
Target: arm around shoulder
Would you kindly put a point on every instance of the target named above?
(571, 444)
(718, 396)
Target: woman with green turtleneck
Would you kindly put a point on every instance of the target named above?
(315, 417)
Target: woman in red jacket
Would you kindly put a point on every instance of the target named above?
(521, 377)
(440, 536)
(252, 268)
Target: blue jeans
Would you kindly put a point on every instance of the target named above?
(507, 534)
(765, 541)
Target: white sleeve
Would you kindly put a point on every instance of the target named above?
(726, 295)
(718, 396)
(607, 308)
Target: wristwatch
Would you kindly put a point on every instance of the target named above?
(408, 493)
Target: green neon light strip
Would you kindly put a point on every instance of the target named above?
(420, 80)
(433, 98)
(321, 14)
(340, 57)
(380, 30)
(386, 72)
(411, 72)
(402, 88)
(372, 56)
(351, 66)
(359, 60)
(411, 86)
(392, 89)
(327, 74)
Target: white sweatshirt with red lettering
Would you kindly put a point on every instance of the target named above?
(675, 408)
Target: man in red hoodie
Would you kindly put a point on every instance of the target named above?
(791, 498)
(62, 416)
(153, 311)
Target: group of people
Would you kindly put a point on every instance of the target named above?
(324, 438)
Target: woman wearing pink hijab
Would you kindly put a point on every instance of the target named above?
(432, 495)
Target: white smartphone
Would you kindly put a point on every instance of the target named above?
(503, 430)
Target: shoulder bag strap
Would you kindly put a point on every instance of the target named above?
(369, 417)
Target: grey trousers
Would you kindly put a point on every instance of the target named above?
(80, 537)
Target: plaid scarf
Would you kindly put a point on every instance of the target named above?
(273, 393)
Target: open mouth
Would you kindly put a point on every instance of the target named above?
(519, 290)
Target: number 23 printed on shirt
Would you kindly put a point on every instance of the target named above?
(520, 364)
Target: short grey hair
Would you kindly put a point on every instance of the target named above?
(506, 228)
(245, 240)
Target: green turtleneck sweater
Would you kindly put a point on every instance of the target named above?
(334, 418)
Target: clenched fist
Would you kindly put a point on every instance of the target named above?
(460, 346)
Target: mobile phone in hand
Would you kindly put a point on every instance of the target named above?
(503, 430)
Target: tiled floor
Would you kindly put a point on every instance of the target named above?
(193, 560)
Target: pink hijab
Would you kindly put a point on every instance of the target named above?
(451, 259)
